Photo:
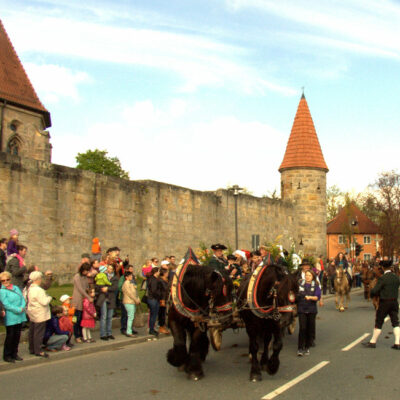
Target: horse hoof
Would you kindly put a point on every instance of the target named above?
(194, 377)
(255, 378)
(341, 309)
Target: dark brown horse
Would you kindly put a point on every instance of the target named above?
(203, 294)
(264, 306)
(378, 272)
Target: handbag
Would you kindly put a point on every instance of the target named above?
(144, 299)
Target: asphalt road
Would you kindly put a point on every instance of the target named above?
(141, 372)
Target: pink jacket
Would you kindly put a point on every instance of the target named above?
(89, 309)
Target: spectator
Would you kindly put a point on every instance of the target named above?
(106, 300)
(66, 304)
(88, 317)
(81, 285)
(130, 299)
(154, 295)
(96, 249)
(124, 315)
(172, 262)
(101, 279)
(55, 338)
(309, 294)
(94, 270)
(163, 301)
(65, 323)
(3, 256)
(38, 312)
(147, 267)
(14, 305)
(16, 266)
(12, 243)
(154, 262)
(85, 258)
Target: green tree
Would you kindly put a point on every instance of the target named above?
(334, 199)
(98, 161)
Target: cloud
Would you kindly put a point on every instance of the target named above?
(155, 143)
(365, 27)
(54, 82)
(196, 59)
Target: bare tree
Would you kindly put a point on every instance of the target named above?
(384, 203)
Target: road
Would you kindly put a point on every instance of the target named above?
(141, 372)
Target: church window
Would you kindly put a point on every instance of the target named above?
(14, 145)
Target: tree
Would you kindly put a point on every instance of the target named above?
(333, 201)
(385, 201)
(98, 161)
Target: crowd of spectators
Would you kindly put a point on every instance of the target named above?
(103, 286)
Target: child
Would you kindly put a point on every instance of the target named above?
(101, 278)
(65, 323)
(88, 317)
(12, 243)
(66, 303)
(96, 249)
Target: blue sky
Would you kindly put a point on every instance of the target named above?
(203, 93)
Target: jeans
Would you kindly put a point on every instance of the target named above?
(154, 305)
(77, 324)
(124, 318)
(130, 310)
(11, 342)
(106, 320)
(56, 341)
(358, 280)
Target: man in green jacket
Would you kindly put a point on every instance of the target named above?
(218, 261)
(387, 289)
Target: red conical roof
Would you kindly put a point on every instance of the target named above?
(15, 86)
(303, 148)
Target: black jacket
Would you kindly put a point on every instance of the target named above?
(3, 260)
(387, 286)
(154, 288)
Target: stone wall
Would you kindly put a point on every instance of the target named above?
(58, 210)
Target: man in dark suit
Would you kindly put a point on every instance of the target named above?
(387, 289)
(3, 258)
(218, 261)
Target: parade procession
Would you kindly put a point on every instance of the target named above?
(171, 229)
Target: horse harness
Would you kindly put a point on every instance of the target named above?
(268, 312)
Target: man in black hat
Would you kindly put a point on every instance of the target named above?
(218, 261)
(387, 289)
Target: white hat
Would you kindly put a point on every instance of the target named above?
(165, 262)
(240, 253)
(64, 298)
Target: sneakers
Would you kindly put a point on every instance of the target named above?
(65, 347)
(300, 353)
(306, 352)
(104, 337)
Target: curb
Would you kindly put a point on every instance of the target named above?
(79, 350)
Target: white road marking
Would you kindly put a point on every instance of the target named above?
(352, 344)
(294, 381)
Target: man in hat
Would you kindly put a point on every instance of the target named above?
(218, 261)
(387, 289)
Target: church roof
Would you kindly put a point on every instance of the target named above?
(15, 86)
(346, 216)
(303, 148)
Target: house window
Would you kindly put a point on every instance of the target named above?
(367, 239)
(13, 145)
(367, 257)
(341, 239)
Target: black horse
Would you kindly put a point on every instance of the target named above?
(204, 293)
(274, 283)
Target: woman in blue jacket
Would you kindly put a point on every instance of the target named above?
(14, 304)
(309, 294)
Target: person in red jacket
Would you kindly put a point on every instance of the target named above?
(88, 317)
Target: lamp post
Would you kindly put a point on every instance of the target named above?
(236, 191)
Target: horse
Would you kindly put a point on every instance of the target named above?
(205, 295)
(266, 310)
(342, 289)
(378, 272)
(367, 275)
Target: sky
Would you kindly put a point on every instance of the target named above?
(203, 93)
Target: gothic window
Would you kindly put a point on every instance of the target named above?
(14, 145)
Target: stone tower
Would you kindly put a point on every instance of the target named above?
(23, 118)
(303, 181)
